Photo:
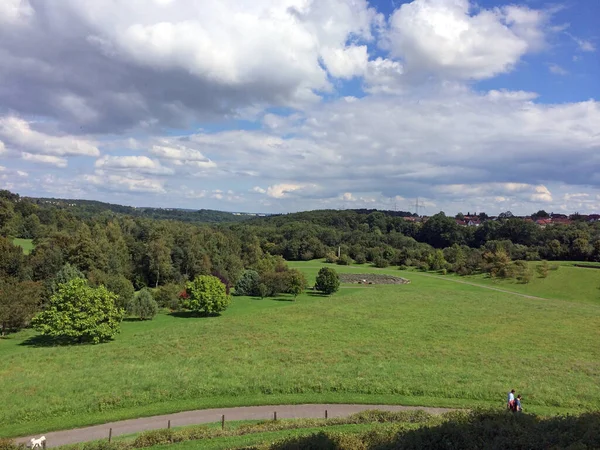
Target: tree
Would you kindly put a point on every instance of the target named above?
(19, 301)
(248, 283)
(296, 282)
(207, 295)
(142, 305)
(64, 275)
(328, 281)
(159, 259)
(78, 312)
(121, 286)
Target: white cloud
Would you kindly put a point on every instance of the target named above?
(13, 12)
(18, 134)
(281, 190)
(345, 62)
(557, 70)
(259, 190)
(444, 37)
(583, 45)
(384, 76)
(44, 159)
(124, 183)
(140, 164)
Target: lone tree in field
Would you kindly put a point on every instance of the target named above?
(142, 305)
(206, 295)
(296, 282)
(80, 313)
(328, 281)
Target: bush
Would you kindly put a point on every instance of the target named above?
(206, 295)
(167, 296)
(402, 267)
(542, 269)
(344, 260)
(142, 305)
(275, 283)
(331, 258)
(248, 283)
(360, 259)
(381, 262)
(328, 281)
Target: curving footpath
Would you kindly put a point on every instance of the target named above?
(57, 438)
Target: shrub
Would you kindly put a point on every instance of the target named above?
(381, 262)
(142, 305)
(275, 282)
(331, 258)
(328, 281)
(263, 290)
(167, 296)
(206, 295)
(360, 259)
(248, 283)
(542, 269)
(19, 301)
(78, 312)
(344, 260)
(402, 267)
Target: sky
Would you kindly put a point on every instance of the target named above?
(289, 105)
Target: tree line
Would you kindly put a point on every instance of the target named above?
(127, 253)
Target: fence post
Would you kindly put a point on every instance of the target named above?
(326, 414)
(169, 424)
(109, 435)
(44, 445)
(275, 415)
(223, 422)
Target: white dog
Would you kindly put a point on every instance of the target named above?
(34, 443)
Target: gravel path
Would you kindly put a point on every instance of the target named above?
(56, 438)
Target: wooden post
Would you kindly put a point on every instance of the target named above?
(275, 415)
(44, 445)
(223, 422)
(109, 435)
(169, 424)
(326, 414)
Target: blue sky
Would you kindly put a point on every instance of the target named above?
(286, 105)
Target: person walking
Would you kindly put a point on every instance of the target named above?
(518, 407)
(510, 402)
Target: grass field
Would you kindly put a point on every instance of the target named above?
(25, 244)
(432, 342)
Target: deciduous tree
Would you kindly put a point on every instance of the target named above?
(206, 295)
(80, 313)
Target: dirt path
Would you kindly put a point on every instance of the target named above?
(56, 438)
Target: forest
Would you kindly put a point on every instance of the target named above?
(126, 251)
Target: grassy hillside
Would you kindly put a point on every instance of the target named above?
(25, 244)
(432, 342)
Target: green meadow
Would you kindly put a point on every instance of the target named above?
(26, 244)
(433, 342)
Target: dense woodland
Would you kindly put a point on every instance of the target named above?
(127, 251)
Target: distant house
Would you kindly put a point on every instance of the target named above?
(593, 218)
(561, 221)
(544, 222)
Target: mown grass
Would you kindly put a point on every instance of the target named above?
(26, 244)
(431, 342)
